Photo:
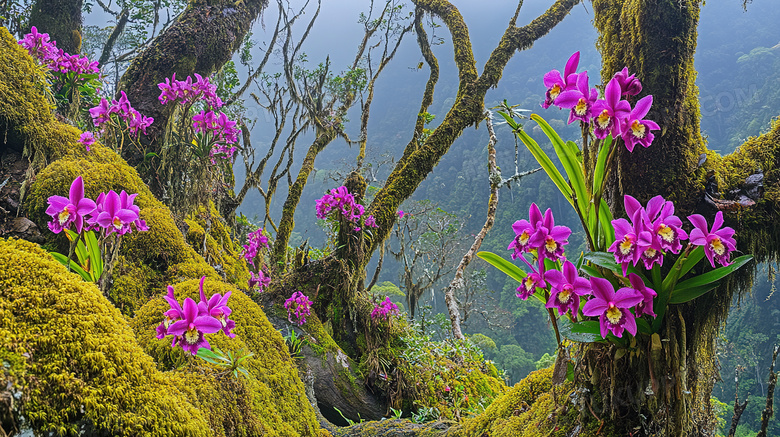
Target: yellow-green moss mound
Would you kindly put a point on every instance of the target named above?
(78, 366)
(271, 402)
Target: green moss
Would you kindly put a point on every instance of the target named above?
(271, 402)
(84, 371)
(217, 247)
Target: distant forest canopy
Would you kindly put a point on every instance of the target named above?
(737, 75)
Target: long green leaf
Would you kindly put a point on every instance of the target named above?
(682, 266)
(569, 161)
(546, 164)
(601, 164)
(73, 266)
(505, 266)
(691, 293)
(588, 331)
(607, 261)
(93, 248)
(509, 120)
(605, 218)
(712, 276)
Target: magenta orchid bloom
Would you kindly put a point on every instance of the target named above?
(579, 100)
(191, 328)
(550, 239)
(172, 315)
(72, 210)
(217, 307)
(87, 139)
(636, 130)
(529, 284)
(401, 214)
(300, 305)
(114, 218)
(557, 84)
(625, 246)
(608, 113)
(567, 287)
(629, 85)
(661, 221)
(648, 294)
(371, 222)
(612, 308)
(384, 310)
(101, 113)
(127, 203)
(649, 249)
(524, 230)
(261, 280)
(718, 243)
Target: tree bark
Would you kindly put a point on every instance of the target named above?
(62, 20)
(201, 41)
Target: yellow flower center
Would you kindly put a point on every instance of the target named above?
(603, 119)
(555, 91)
(650, 252)
(626, 245)
(117, 223)
(582, 107)
(529, 283)
(717, 246)
(614, 314)
(667, 233)
(638, 129)
(63, 216)
(551, 245)
(191, 336)
(564, 295)
(523, 238)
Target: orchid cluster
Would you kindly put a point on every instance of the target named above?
(539, 236)
(39, 46)
(187, 92)
(298, 305)
(133, 119)
(655, 230)
(384, 310)
(217, 133)
(340, 200)
(256, 241)
(112, 213)
(610, 115)
(190, 322)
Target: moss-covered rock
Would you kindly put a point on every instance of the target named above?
(271, 401)
(82, 370)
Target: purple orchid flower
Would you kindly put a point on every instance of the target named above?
(190, 329)
(648, 294)
(87, 139)
(636, 130)
(371, 222)
(567, 287)
(579, 100)
(217, 307)
(529, 284)
(556, 84)
(261, 280)
(608, 113)
(661, 221)
(550, 239)
(612, 308)
(173, 314)
(127, 203)
(401, 214)
(72, 210)
(524, 230)
(629, 85)
(300, 305)
(114, 218)
(718, 243)
(625, 246)
(101, 113)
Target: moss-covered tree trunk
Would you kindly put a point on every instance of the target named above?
(61, 19)
(201, 41)
(669, 380)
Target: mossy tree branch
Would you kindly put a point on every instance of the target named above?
(419, 161)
